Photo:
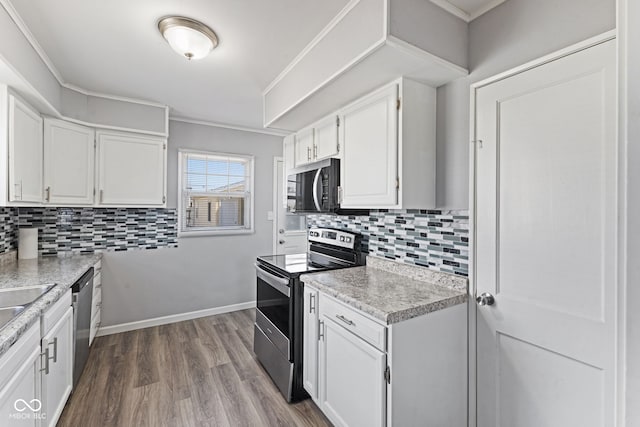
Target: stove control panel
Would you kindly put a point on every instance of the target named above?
(344, 239)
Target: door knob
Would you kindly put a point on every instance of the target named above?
(485, 299)
(281, 231)
(281, 242)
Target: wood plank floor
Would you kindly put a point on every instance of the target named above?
(201, 372)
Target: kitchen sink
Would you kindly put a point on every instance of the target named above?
(8, 313)
(14, 297)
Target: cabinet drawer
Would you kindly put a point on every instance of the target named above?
(55, 312)
(372, 332)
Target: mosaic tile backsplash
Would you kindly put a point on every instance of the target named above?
(8, 229)
(88, 230)
(435, 239)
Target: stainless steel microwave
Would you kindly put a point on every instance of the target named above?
(316, 189)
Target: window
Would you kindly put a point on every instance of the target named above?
(215, 193)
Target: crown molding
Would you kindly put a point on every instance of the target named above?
(466, 16)
(228, 126)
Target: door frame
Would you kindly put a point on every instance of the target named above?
(621, 285)
(274, 232)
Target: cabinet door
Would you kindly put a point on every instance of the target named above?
(369, 167)
(131, 169)
(25, 152)
(304, 147)
(57, 375)
(352, 385)
(68, 163)
(310, 343)
(326, 138)
(20, 395)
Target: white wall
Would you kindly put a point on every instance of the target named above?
(203, 272)
(633, 215)
(515, 32)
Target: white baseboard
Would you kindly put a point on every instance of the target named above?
(174, 318)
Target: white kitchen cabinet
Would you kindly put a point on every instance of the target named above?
(96, 301)
(406, 374)
(57, 358)
(20, 403)
(352, 380)
(68, 163)
(388, 148)
(131, 169)
(57, 374)
(289, 156)
(304, 146)
(25, 152)
(310, 343)
(326, 138)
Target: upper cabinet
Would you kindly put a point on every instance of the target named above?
(369, 167)
(131, 169)
(68, 163)
(389, 148)
(326, 138)
(368, 44)
(304, 147)
(25, 152)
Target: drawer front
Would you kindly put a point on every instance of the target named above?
(351, 319)
(55, 312)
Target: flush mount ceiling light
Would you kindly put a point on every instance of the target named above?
(188, 37)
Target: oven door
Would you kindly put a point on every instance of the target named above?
(274, 315)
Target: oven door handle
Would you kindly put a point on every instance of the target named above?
(315, 190)
(279, 283)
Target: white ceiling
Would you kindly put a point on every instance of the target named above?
(114, 47)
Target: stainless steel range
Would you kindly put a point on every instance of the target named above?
(278, 328)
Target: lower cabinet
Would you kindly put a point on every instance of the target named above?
(351, 372)
(20, 403)
(96, 302)
(57, 370)
(362, 372)
(310, 343)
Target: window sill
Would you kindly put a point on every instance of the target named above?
(205, 233)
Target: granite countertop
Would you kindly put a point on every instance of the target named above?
(390, 291)
(62, 271)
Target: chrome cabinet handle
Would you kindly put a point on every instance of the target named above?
(308, 153)
(485, 299)
(46, 362)
(48, 192)
(345, 320)
(101, 195)
(321, 330)
(315, 151)
(312, 306)
(55, 350)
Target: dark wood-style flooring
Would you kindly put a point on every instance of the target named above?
(200, 372)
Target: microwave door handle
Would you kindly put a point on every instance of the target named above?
(315, 190)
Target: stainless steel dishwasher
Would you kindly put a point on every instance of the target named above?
(82, 296)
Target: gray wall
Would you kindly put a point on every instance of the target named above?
(515, 32)
(633, 214)
(203, 272)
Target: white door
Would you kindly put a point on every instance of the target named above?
(310, 343)
(351, 378)
(326, 138)
(304, 147)
(131, 169)
(57, 376)
(25, 152)
(68, 163)
(290, 231)
(546, 244)
(369, 167)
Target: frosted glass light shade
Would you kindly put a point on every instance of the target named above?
(189, 38)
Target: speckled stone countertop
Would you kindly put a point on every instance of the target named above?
(62, 271)
(390, 291)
